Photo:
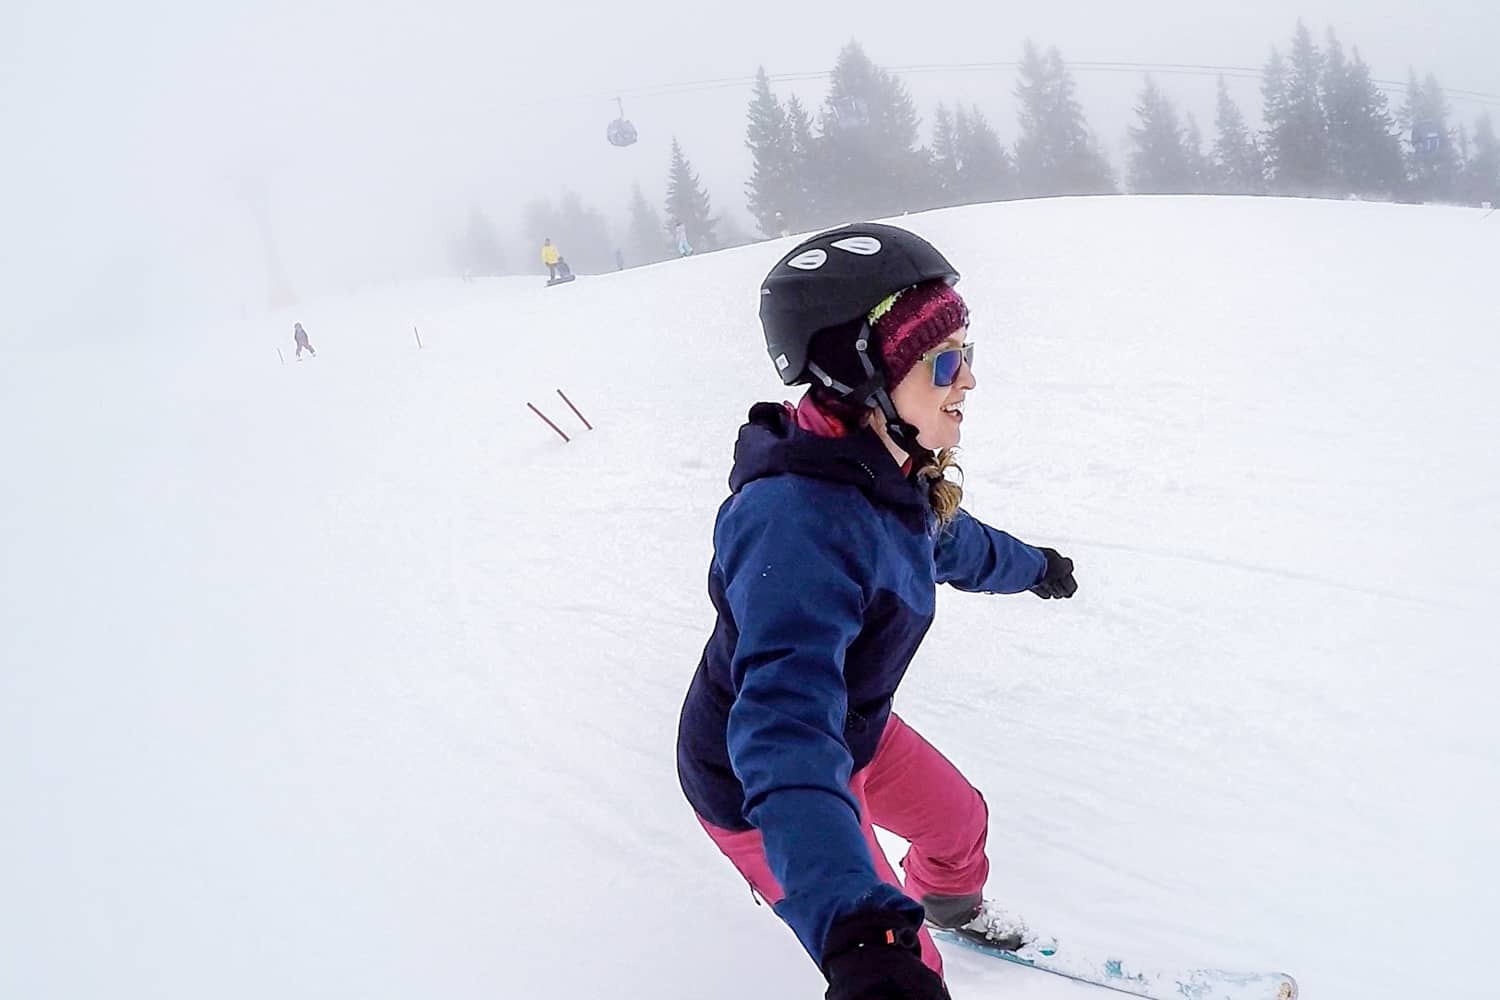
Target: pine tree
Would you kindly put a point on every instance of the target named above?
(869, 164)
(804, 210)
(1055, 153)
(969, 160)
(1238, 168)
(1235, 161)
(1482, 174)
(1301, 138)
(1377, 145)
(946, 160)
(963, 135)
(1159, 161)
(769, 189)
(647, 236)
(1274, 116)
(1338, 105)
(1432, 168)
(989, 174)
(1200, 167)
(1364, 153)
(687, 202)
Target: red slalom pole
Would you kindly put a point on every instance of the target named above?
(549, 423)
(580, 416)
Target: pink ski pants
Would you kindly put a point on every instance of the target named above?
(914, 792)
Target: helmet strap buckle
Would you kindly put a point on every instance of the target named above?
(875, 391)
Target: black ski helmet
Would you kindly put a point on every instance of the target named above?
(836, 277)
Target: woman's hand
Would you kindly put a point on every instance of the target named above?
(1057, 579)
(875, 964)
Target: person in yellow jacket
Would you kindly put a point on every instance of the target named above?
(550, 257)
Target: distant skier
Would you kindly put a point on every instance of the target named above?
(299, 335)
(684, 248)
(550, 257)
(824, 576)
(619, 260)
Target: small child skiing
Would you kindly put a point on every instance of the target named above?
(684, 248)
(303, 344)
(827, 555)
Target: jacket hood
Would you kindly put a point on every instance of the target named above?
(771, 444)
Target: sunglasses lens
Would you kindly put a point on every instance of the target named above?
(946, 364)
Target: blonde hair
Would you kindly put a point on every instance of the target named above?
(943, 493)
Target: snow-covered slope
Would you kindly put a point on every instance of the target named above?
(348, 678)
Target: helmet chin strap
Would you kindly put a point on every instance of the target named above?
(872, 392)
(901, 432)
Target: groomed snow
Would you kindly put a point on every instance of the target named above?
(348, 678)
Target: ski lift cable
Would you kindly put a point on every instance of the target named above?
(675, 88)
(1252, 72)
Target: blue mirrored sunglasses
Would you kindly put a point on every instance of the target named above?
(947, 362)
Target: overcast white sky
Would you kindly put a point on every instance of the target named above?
(135, 133)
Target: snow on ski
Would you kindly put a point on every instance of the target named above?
(1124, 977)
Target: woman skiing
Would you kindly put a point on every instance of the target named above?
(840, 524)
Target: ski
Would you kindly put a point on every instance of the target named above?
(1121, 976)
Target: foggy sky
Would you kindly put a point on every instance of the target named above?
(137, 135)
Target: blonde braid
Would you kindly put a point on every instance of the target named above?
(943, 493)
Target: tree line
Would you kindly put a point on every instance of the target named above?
(1327, 130)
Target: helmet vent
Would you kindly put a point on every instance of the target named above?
(809, 260)
(865, 246)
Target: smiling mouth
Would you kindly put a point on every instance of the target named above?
(955, 410)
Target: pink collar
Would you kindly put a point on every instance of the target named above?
(815, 420)
(811, 417)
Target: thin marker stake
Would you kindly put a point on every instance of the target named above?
(580, 416)
(549, 423)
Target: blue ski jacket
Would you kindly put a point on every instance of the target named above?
(824, 573)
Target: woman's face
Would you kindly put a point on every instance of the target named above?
(935, 411)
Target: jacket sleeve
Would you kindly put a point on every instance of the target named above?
(970, 555)
(793, 581)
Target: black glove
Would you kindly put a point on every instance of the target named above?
(875, 961)
(1057, 579)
